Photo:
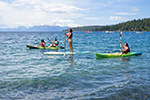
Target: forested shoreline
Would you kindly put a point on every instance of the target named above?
(133, 25)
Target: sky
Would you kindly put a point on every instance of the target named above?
(71, 13)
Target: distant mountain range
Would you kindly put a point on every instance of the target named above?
(36, 28)
(133, 25)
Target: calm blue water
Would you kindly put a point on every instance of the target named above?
(29, 74)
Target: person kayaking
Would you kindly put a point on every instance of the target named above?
(55, 43)
(126, 48)
(42, 44)
(69, 35)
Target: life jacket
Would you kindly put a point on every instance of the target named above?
(125, 51)
(56, 43)
(128, 50)
(42, 44)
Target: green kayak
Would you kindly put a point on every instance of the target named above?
(112, 55)
(35, 47)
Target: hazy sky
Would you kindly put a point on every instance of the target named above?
(72, 13)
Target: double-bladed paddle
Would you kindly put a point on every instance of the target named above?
(120, 41)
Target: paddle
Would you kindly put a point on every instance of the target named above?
(121, 41)
(65, 45)
(48, 39)
(120, 38)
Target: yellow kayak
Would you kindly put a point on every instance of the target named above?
(35, 47)
(112, 55)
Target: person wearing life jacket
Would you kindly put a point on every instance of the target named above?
(69, 35)
(126, 48)
(55, 43)
(42, 44)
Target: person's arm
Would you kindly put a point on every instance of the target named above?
(66, 34)
(121, 44)
(66, 39)
(44, 43)
(51, 41)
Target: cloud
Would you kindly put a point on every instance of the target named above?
(95, 18)
(14, 13)
(92, 18)
(110, 2)
(67, 22)
(116, 18)
(135, 9)
(104, 5)
(124, 1)
(37, 12)
(61, 22)
(120, 13)
(107, 3)
(48, 6)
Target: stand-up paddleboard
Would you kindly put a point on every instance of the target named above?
(112, 55)
(65, 53)
(35, 47)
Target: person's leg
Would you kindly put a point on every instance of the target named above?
(70, 45)
(51, 45)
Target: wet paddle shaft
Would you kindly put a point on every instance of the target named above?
(120, 43)
(120, 39)
(65, 44)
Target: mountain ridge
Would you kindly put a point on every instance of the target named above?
(36, 28)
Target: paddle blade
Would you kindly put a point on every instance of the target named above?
(62, 47)
(120, 34)
(48, 38)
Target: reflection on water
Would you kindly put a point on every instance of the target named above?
(127, 59)
(71, 61)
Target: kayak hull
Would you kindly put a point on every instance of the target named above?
(35, 47)
(114, 55)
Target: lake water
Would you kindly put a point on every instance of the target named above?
(29, 74)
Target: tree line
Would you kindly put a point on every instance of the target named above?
(133, 25)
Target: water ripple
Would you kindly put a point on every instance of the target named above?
(29, 74)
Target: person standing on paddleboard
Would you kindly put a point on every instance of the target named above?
(55, 43)
(126, 48)
(69, 35)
